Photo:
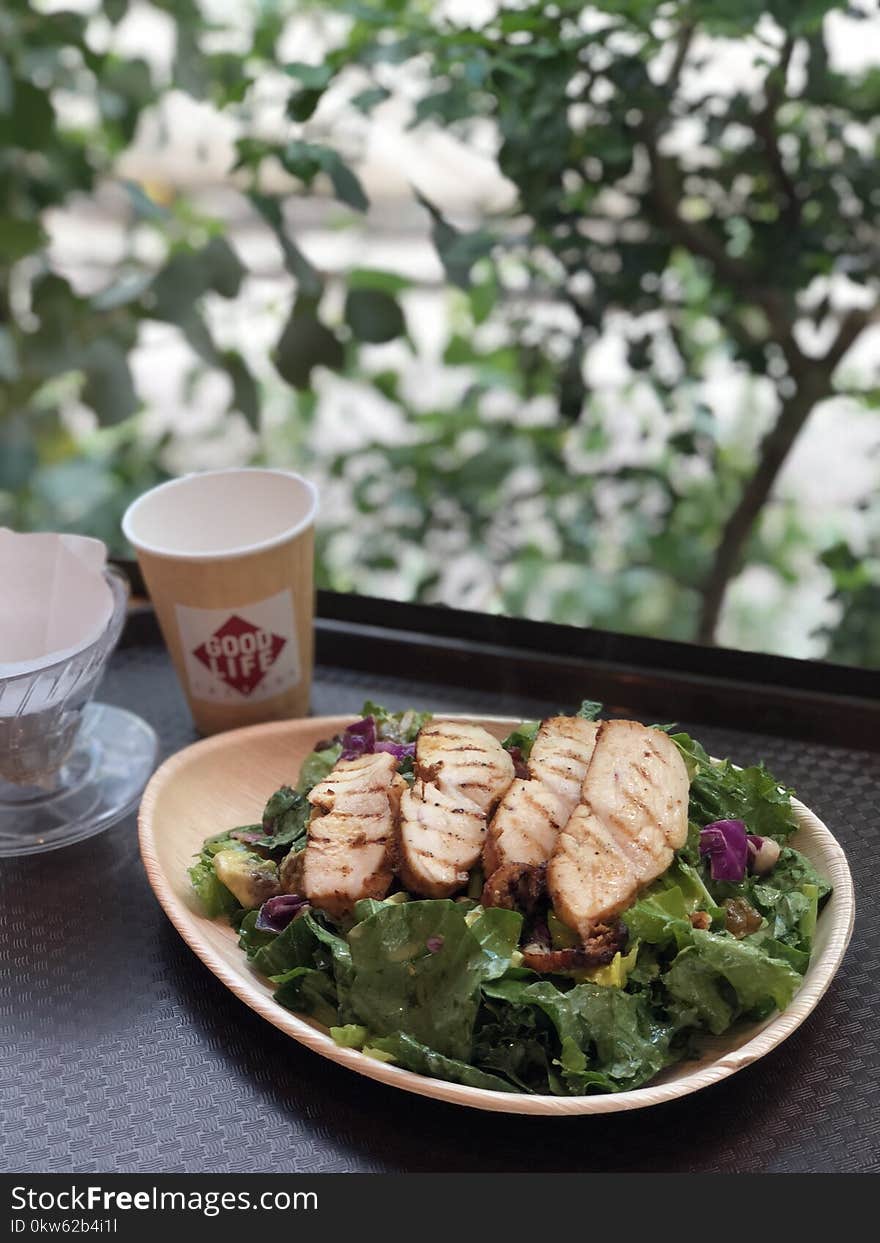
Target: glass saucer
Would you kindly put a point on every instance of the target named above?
(100, 782)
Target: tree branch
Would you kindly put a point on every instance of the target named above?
(812, 377)
(664, 192)
(682, 47)
(814, 383)
(764, 125)
(665, 188)
(851, 327)
(773, 452)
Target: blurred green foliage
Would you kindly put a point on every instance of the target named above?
(56, 345)
(511, 496)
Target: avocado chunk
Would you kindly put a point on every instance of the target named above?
(248, 877)
(291, 872)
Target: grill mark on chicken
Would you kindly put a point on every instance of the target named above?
(541, 809)
(356, 815)
(560, 753)
(653, 750)
(463, 838)
(534, 809)
(633, 815)
(473, 785)
(349, 851)
(461, 773)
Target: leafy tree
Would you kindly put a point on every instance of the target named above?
(722, 236)
(733, 234)
(57, 343)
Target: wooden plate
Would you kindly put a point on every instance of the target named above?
(225, 780)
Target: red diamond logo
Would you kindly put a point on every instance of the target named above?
(240, 653)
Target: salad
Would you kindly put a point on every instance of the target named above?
(567, 911)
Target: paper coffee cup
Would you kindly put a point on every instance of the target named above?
(227, 557)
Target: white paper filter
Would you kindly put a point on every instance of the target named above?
(54, 599)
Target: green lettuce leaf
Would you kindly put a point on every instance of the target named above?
(215, 898)
(798, 959)
(221, 841)
(333, 954)
(366, 907)
(605, 1038)
(285, 821)
(721, 792)
(317, 766)
(809, 917)
(687, 880)
(249, 939)
(784, 912)
(704, 999)
(350, 1035)
(755, 977)
(794, 870)
(308, 991)
(417, 968)
(518, 1041)
(546, 997)
(788, 898)
(413, 1055)
(523, 737)
(497, 932)
(721, 978)
(660, 918)
(623, 1040)
(690, 851)
(398, 727)
(284, 951)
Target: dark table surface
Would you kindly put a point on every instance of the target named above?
(120, 1052)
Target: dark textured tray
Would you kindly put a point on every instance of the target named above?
(122, 1053)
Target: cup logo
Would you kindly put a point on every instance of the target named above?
(240, 653)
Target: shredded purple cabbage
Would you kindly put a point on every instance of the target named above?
(276, 913)
(520, 767)
(725, 842)
(362, 738)
(359, 739)
(398, 749)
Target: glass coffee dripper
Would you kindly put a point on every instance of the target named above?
(69, 767)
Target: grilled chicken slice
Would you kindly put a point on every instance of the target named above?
(461, 773)
(464, 759)
(439, 840)
(561, 755)
(528, 819)
(632, 816)
(350, 849)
